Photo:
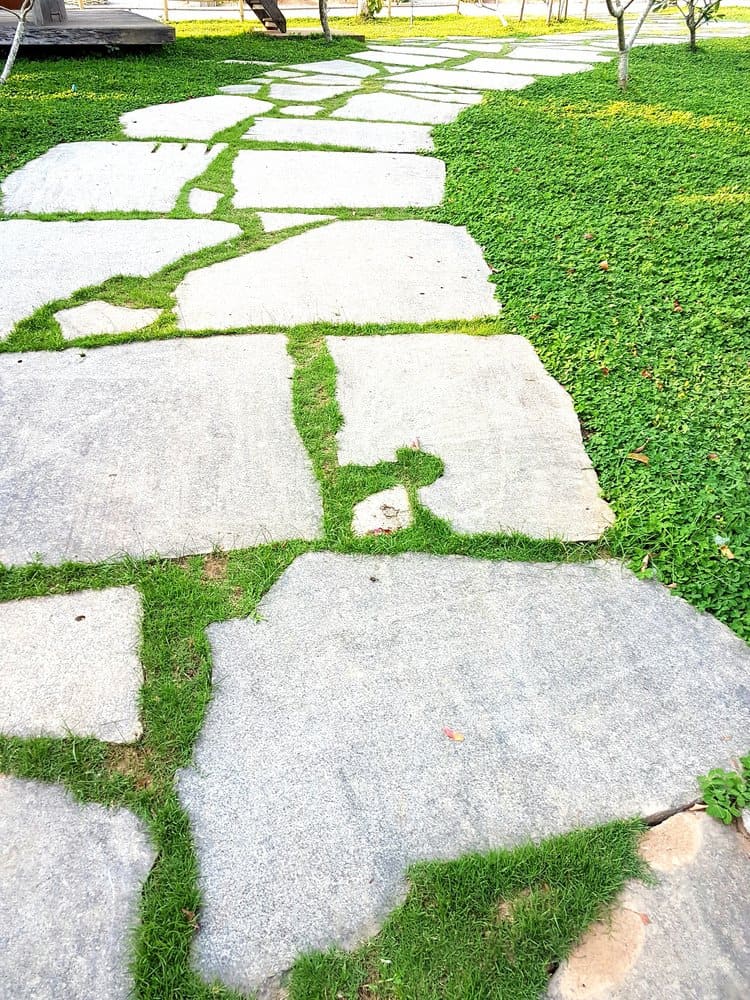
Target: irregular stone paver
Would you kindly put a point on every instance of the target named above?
(203, 202)
(398, 58)
(383, 137)
(447, 96)
(267, 178)
(325, 79)
(431, 271)
(338, 67)
(78, 254)
(196, 118)
(448, 52)
(557, 53)
(241, 88)
(69, 665)
(582, 693)
(98, 317)
(307, 110)
(687, 936)
(382, 513)
(70, 886)
(529, 66)
(395, 108)
(272, 222)
(98, 177)
(463, 78)
(308, 92)
(506, 431)
(167, 447)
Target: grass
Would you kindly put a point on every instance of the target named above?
(446, 25)
(552, 182)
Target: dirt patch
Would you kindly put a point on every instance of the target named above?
(133, 762)
(673, 843)
(215, 566)
(603, 957)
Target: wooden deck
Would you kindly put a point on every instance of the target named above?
(105, 26)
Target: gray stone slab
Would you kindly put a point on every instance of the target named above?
(686, 937)
(446, 96)
(431, 272)
(70, 885)
(531, 67)
(203, 202)
(273, 222)
(98, 317)
(296, 110)
(105, 177)
(69, 665)
(266, 178)
(160, 447)
(558, 53)
(382, 513)
(463, 78)
(196, 118)
(339, 67)
(242, 88)
(506, 431)
(324, 767)
(395, 57)
(326, 79)
(446, 51)
(308, 92)
(79, 254)
(378, 136)
(395, 108)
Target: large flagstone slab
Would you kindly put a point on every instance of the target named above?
(464, 78)
(69, 665)
(70, 883)
(532, 67)
(376, 136)
(397, 57)
(106, 177)
(326, 764)
(98, 318)
(161, 447)
(449, 97)
(397, 108)
(79, 254)
(506, 431)
(425, 271)
(196, 118)
(557, 53)
(338, 67)
(266, 178)
(309, 91)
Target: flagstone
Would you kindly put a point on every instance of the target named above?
(506, 431)
(384, 137)
(559, 53)
(341, 67)
(98, 177)
(79, 254)
(401, 58)
(396, 108)
(69, 665)
(98, 317)
(242, 88)
(306, 110)
(449, 52)
(316, 179)
(448, 97)
(382, 513)
(70, 883)
(530, 66)
(353, 82)
(196, 118)
(469, 80)
(203, 202)
(308, 92)
(347, 690)
(431, 272)
(272, 222)
(161, 447)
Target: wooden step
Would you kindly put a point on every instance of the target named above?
(269, 15)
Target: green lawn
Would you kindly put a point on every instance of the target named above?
(451, 25)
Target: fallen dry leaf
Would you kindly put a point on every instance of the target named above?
(453, 735)
(726, 552)
(604, 265)
(712, 456)
(638, 456)
(645, 561)
(645, 918)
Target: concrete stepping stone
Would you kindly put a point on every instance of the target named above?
(396, 108)
(296, 110)
(384, 137)
(98, 317)
(687, 936)
(279, 178)
(326, 79)
(448, 52)
(98, 177)
(196, 118)
(382, 513)
(559, 53)
(160, 447)
(431, 271)
(203, 202)
(308, 92)
(506, 431)
(446, 96)
(242, 88)
(280, 73)
(70, 883)
(533, 67)
(69, 665)
(468, 80)
(273, 222)
(401, 58)
(78, 254)
(581, 693)
(339, 67)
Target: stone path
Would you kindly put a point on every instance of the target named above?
(325, 765)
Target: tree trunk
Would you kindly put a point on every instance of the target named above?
(14, 47)
(323, 11)
(622, 68)
(691, 24)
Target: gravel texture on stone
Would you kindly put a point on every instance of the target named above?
(99, 318)
(395, 108)
(431, 271)
(338, 67)
(690, 935)
(99, 177)
(309, 92)
(468, 80)
(196, 118)
(382, 513)
(506, 431)
(378, 136)
(203, 202)
(162, 447)
(69, 665)
(70, 883)
(79, 254)
(272, 222)
(532, 67)
(583, 694)
(306, 110)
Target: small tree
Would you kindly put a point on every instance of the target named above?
(625, 41)
(694, 13)
(22, 15)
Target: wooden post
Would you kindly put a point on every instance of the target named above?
(242, 10)
(165, 17)
(389, 9)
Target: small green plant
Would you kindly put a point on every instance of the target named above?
(726, 793)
